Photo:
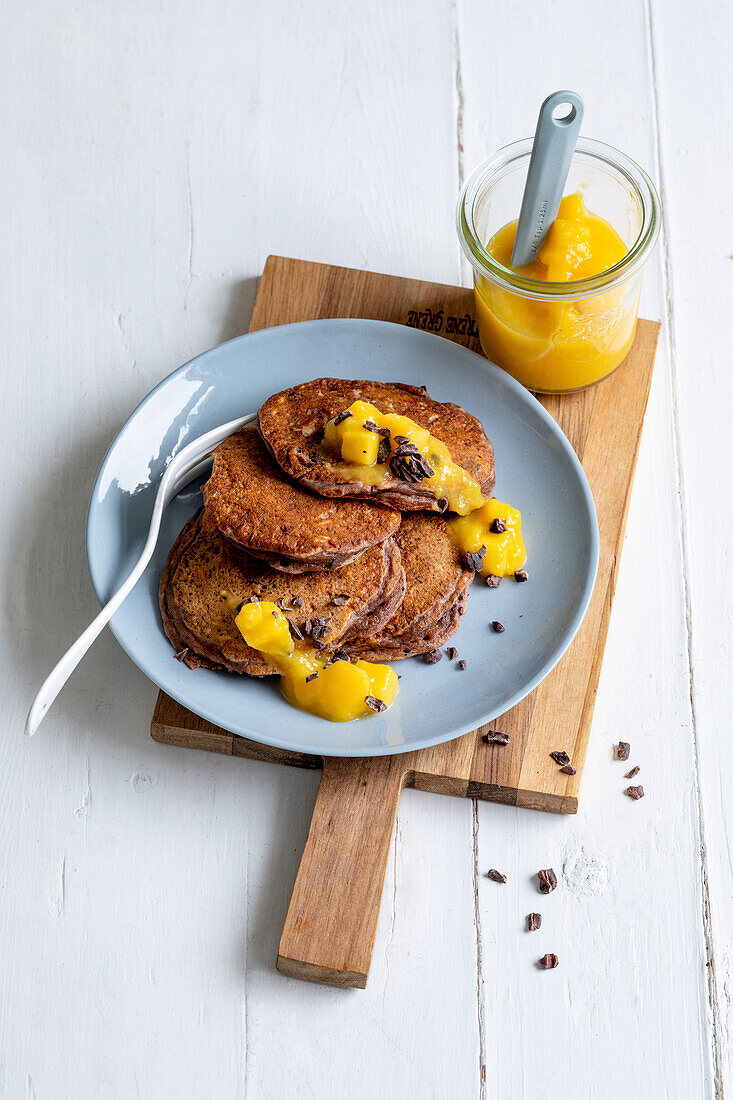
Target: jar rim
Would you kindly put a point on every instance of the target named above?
(484, 263)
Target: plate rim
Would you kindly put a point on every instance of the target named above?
(519, 391)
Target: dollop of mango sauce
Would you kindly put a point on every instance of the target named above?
(484, 527)
(349, 436)
(312, 680)
(578, 245)
(487, 531)
(494, 533)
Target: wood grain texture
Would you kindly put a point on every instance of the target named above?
(332, 919)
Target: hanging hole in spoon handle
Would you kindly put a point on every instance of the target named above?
(555, 139)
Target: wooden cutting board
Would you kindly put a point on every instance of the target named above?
(332, 919)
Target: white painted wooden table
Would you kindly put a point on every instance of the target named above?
(154, 154)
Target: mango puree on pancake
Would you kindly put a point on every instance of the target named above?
(409, 451)
(292, 422)
(323, 684)
(371, 444)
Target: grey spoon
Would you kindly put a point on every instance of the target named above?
(552, 152)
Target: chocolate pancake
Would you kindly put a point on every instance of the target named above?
(399, 648)
(206, 578)
(436, 595)
(253, 504)
(292, 423)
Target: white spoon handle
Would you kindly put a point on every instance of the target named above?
(180, 471)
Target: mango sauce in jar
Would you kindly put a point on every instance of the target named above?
(568, 319)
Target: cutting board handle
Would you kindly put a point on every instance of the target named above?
(332, 918)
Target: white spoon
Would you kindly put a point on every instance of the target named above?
(181, 470)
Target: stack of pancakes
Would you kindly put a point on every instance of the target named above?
(370, 572)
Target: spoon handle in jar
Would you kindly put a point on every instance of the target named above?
(552, 151)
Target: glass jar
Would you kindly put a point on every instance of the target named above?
(558, 337)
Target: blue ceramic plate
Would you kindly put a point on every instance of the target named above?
(536, 470)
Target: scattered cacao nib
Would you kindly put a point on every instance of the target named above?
(495, 876)
(342, 416)
(475, 558)
(521, 575)
(634, 771)
(635, 792)
(340, 600)
(401, 470)
(318, 644)
(401, 439)
(442, 504)
(340, 655)
(463, 665)
(623, 750)
(432, 657)
(498, 527)
(383, 452)
(275, 615)
(370, 426)
(534, 921)
(280, 602)
(297, 602)
(295, 631)
(182, 654)
(494, 737)
(493, 581)
(375, 704)
(409, 465)
(498, 627)
(560, 757)
(313, 675)
(569, 769)
(385, 432)
(250, 599)
(318, 627)
(452, 652)
(548, 962)
(548, 880)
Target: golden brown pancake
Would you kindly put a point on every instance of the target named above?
(253, 504)
(437, 584)
(206, 578)
(292, 423)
